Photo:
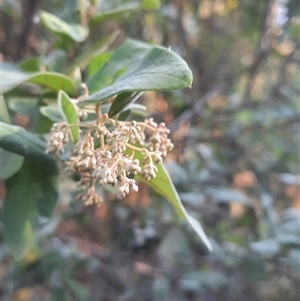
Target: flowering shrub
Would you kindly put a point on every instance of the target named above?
(85, 118)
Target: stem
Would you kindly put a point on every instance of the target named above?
(102, 142)
(81, 125)
(98, 111)
(133, 147)
(92, 183)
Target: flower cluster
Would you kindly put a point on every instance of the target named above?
(59, 137)
(107, 153)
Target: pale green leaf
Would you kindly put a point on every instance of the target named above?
(69, 113)
(10, 163)
(61, 29)
(13, 77)
(107, 11)
(4, 114)
(163, 185)
(52, 112)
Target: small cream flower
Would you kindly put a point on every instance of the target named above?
(105, 154)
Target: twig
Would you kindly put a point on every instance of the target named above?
(29, 9)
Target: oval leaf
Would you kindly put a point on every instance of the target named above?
(88, 52)
(13, 77)
(61, 29)
(19, 141)
(150, 4)
(160, 69)
(163, 185)
(107, 11)
(69, 113)
(122, 101)
(16, 210)
(33, 188)
(31, 64)
(54, 81)
(4, 114)
(10, 163)
(45, 181)
(52, 112)
(123, 57)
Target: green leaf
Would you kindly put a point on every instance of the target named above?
(160, 69)
(124, 115)
(75, 74)
(137, 109)
(150, 4)
(61, 29)
(24, 105)
(122, 101)
(195, 280)
(19, 141)
(12, 8)
(268, 247)
(161, 288)
(52, 112)
(56, 61)
(30, 65)
(163, 185)
(88, 52)
(43, 125)
(227, 195)
(33, 187)
(126, 55)
(12, 77)
(45, 186)
(97, 62)
(54, 81)
(69, 113)
(176, 238)
(4, 114)
(10, 163)
(119, 10)
(293, 260)
(79, 290)
(16, 211)
(107, 11)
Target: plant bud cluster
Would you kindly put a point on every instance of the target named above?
(106, 153)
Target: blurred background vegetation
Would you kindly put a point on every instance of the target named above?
(235, 163)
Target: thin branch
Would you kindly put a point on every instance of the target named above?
(29, 9)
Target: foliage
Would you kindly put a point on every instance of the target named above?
(234, 166)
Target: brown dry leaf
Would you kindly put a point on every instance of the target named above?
(217, 102)
(101, 212)
(296, 201)
(236, 209)
(22, 120)
(292, 191)
(143, 268)
(285, 48)
(217, 134)
(23, 294)
(71, 228)
(161, 105)
(244, 179)
(140, 198)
